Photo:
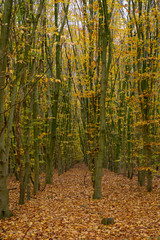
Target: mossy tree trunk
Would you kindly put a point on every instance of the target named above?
(100, 158)
(36, 144)
(106, 61)
(4, 209)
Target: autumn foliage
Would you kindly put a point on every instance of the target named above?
(79, 119)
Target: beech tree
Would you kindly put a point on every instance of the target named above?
(106, 41)
(4, 37)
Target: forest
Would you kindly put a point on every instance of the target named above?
(79, 119)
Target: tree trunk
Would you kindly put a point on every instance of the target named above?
(36, 147)
(4, 210)
(100, 157)
(105, 41)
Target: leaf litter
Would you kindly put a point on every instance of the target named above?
(66, 210)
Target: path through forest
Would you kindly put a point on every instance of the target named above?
(66, 210)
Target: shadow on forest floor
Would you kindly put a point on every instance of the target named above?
(66, 210)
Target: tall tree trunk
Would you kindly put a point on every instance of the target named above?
(100, 158)
(106, 62)
(36, 145)
(4, 210)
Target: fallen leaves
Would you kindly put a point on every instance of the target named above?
(66, 210)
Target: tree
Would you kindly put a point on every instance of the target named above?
(106, 40)
(6, 16)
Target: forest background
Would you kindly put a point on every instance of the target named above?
(79, 81)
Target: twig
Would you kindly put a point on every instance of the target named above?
(85, 178)
(12, 189)
(43, 188)
(27, 232)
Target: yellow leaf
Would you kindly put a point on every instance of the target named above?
(57, 80)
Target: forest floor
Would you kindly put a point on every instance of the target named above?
(66, 210)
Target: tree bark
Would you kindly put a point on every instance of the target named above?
(4, 208)
(100, 158)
